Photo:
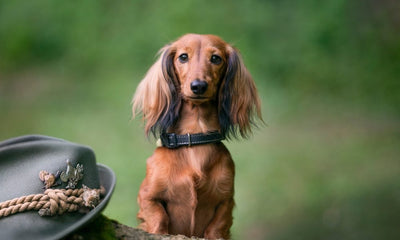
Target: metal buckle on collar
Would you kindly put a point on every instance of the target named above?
(189, 139)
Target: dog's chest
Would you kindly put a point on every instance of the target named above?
(207, 176)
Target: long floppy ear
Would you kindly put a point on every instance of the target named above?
(239, 104)
(156, 96)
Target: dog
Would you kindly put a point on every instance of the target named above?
(196, 94)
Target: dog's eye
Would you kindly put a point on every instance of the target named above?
(216, 59)
(183, 58)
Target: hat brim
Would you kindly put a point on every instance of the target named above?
(107, 180)
(29, 225)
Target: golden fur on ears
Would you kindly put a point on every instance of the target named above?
(153, 95)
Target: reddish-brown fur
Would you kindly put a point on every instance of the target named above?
(189, 190)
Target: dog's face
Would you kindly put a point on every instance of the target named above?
(200, 63)
(198, 69)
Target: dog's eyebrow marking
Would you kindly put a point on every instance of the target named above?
(198, 49)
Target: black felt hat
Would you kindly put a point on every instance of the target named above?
(39, 176)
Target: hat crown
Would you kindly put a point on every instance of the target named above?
(21, 162)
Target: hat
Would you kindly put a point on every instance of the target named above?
(49, 187)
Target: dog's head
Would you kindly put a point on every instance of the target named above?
(199, 69)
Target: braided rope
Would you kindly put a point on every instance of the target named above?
(53, 202)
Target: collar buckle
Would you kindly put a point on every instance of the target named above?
(189, 140)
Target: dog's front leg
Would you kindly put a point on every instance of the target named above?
(221, 222)
(152, 214)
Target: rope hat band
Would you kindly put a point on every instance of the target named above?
(54, 201)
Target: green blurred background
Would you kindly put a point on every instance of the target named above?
(326, 166)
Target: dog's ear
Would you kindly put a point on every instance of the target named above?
(239, 103)
(156, 96)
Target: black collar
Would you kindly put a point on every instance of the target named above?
(172, 140)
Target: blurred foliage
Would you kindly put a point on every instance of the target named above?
(347, 48)
(327, 71)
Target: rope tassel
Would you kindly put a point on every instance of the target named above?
(53, 201)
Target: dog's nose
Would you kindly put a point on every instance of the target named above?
(198, 86)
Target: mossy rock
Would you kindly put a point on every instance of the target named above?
(103, 228)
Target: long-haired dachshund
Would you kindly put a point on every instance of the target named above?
(196, 94)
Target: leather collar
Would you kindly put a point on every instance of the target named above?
(172, 140)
